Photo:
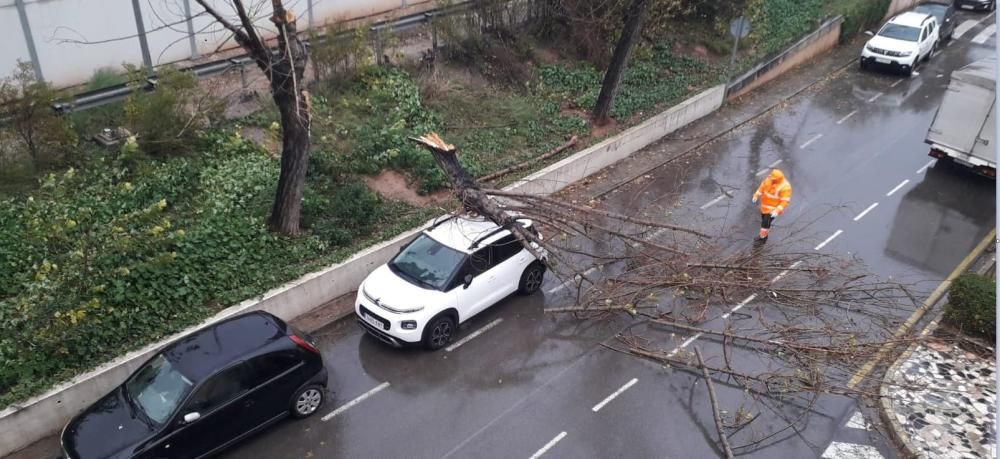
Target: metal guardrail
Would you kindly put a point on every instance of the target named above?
(98, 97)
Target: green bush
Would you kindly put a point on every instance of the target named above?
(972, 305)
(167, 120)
(776, 23)
(39, 134)
(105, 77)
(858, 14)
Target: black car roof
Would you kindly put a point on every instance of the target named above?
(212, 348)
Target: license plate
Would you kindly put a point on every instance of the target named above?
(883, 61)
(372, 321)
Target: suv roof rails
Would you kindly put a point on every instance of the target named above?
(442, 221)
(475, 244)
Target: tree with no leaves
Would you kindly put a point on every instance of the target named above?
(631, 34)
(284, 68)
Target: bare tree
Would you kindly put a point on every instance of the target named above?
(284, 68)
(619, 60)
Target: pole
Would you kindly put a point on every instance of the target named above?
(996, 46)
(190, 28)
(29, 39)
(736, 45)
(140, 28)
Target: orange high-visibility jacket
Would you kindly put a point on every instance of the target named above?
(774, 195)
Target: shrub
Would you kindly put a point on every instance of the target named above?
(105, 77)
(776, 23)
(41, 134)
(859, 14)
(334, 59)
(972, 305)
(167, 120)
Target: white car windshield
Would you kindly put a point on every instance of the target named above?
(157, 389)
(900, 32)
(426, 261)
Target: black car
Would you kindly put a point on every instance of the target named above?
(944, 12)
(978, 5)
(204, 392)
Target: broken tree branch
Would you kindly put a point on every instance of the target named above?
(715, 406)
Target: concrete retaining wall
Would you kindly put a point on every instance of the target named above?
(823, 39)
(46, 414)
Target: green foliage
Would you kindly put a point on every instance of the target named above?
(167, 120)
(972, 305)
(858, 14)
(125, 250)
(105, 77)
(41, 136)
(342, 214)
(340, 59)
(776, 23)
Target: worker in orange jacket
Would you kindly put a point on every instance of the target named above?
(774, 193)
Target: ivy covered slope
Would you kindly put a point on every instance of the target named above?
(125, 250)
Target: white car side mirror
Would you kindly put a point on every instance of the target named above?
(191, 417)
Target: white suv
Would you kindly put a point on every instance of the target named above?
(902, 42)
(455, 269)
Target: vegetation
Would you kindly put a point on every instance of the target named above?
(972, 305)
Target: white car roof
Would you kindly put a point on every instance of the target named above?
(911, 18)
(460, 233)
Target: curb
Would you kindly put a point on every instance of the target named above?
(900, 437)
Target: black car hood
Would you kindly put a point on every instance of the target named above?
(108, 428)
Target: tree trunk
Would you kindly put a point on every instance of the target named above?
(295, 141)
(619, 61)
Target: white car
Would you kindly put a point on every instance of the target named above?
(902, 43)
(455, 269)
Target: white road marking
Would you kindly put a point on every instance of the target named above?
(849, 115)
(929, 164)
(810, 141)
(865, 212)
(829, 239)
(779, 276)
(548, 446)
(838, 450)
(775, 164)
(614, 395)
(981, 37)
(894, 190)
(896, 83)
(874, 98)
(690, 340)
(474, 334)
(744, 303)
(713, 202)
(964, 27)
(354, 402)
(857, 421)
(566, 284)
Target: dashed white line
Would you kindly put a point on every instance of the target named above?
(566, 284)
(744, 303)
(354, 402)
(713, 202)
(548, 446)
(474, 334)
(874, 98)
(981, 37)
(692, 339)
(775, 164)
(901, 185)
(849, 115)
(779, 276)
(857, 422)
(964, 27)
(810, 141)
(865, 212)
(829, 239)
(896, 83)
(614, 395)
(840, 450)
(929, 164)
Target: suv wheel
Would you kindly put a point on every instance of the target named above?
(438, 332)
(307, 401)
(531, 279)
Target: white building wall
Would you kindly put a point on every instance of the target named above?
(13, 48)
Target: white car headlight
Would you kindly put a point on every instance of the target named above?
(905, 53)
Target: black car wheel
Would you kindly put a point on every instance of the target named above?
(531, 279)
(307, 401)
(438, 333)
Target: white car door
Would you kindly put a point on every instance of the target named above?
(475, 296)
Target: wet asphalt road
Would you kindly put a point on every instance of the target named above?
(534, 381)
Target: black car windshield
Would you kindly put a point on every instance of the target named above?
(428, 262)
(900, 32)
(157, 389)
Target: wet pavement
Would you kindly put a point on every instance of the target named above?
(537, 384)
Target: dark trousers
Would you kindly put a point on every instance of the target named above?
(766, 220)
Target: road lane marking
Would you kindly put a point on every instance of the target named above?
(775, 164)
(865, 212)
(928, 303)
(692, 339)
(354, 402)
(849, 115)
(964, 27)
(810, 141)
(473, 335)
(896, 83)
(713, 202)
(548, 446)
(929, 164)
(841, 450)
(981, 37)
(875, 97)
(614, 395)
(857, 422)
(894, 190)
(829, 239)
(566, 284)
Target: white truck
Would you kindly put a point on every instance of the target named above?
(964, 128)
